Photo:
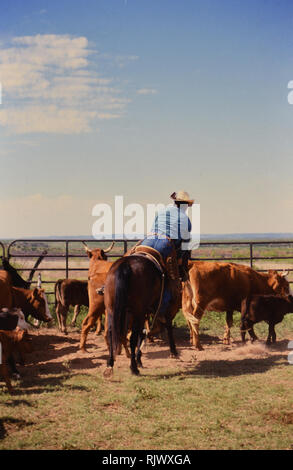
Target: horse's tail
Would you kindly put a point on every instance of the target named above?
(119, 319)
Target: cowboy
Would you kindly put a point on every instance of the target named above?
(170, 229)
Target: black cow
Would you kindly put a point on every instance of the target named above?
(270, 308)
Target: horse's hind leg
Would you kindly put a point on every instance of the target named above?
(172, 345)
(135, 335)
(125, 345)
(141, 338)
(110, 362)
(109, 340)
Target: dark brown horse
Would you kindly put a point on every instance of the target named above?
(133, 290)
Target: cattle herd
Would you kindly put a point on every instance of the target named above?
(212, 286)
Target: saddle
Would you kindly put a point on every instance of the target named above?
(169, 267)
(151, 254)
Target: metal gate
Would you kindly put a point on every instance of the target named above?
(66, 258)
(2, 250)
(61, 254)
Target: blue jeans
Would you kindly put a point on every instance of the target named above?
(162, 245)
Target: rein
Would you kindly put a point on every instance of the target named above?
(160, 302)
(149, 256)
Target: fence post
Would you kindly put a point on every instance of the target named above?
(66, 262)
(125, 246)
(251, 255)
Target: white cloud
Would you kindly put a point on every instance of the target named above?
(147, 91)
(20, 78)
(49, 119)
(121, 60)
(44, 50)
(51, 84)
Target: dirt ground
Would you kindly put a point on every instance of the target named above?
(55, 353)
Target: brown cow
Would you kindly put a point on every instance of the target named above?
(69, 292)
(31, 301)
(11, 342)
(98, 269)
(222, 287)
(269, 308)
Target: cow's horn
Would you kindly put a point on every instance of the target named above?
(109, 248)
(284, 273)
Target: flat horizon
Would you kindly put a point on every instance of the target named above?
(110, 237)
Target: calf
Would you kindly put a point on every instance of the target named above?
(10, 342)
(69, 292)
(10, 319)
(97, 273)
(270, 308)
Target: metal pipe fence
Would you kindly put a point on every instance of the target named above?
(30, 249)
(2, 250)
(63, 255)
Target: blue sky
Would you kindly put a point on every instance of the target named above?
(140, 99)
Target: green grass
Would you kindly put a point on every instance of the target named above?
(241, 403)
(162, 410)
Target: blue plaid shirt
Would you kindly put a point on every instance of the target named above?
(172, 222)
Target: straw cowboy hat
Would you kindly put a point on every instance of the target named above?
(182, 196)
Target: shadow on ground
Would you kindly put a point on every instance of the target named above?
(226, 368)
(8, 424)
